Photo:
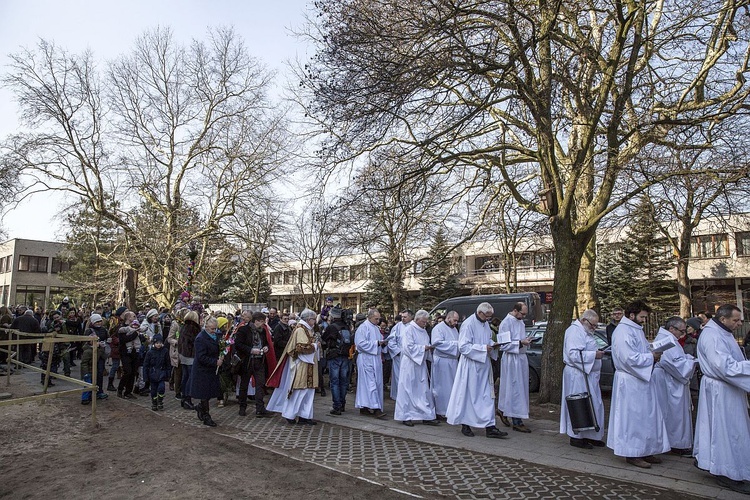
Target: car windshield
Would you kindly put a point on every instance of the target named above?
(536, 334)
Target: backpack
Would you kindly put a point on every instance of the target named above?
(343, 344)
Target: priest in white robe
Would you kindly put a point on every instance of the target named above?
(636, 425)
(672, 375)
(472, 401)
(722, 431)
(582, 359)
(369, 342)
(394, 348)
(296, 392)
(444, 362)
(513, 395)
(415, 400)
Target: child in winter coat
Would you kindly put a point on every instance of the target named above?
(156, 366)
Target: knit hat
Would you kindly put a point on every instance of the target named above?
(157, 339)
(95, 318)
(120, 310)
(695, 323)
(192, 316)
(151, 313)
(220, 322)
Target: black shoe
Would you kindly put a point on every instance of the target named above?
(596, 442)
(581, 443)
(365, 411)
(291, 421)
(177, 395)
(408, 423)
(111, 387)
(494, 432)
(243, 411)
(738, 486)
(160, 406)
(431, 422)
(334, 412)
(86, 402)
(154, 407)
(306, 421)
(130, 396)
(201, 413)
(119, 394)
(521, 428)
(466, 431)
(263, 414)
(188, 405)
(682, 452)
(207, 420)
(322, 392)
(50, 384)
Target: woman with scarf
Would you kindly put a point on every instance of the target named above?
(204, 377)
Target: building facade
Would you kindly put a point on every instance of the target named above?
(719, 269)
(30, 273)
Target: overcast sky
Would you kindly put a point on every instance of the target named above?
(109, 28)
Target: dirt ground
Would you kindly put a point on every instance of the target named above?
(50, 450)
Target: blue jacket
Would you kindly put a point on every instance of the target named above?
(156, 365)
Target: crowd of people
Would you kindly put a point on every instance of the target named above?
(434, 372)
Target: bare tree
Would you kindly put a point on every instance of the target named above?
(316, 242)
(566, 93)
(387, 217)
(181, 129)
(680, 204)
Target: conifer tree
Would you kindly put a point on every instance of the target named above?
(439, 281)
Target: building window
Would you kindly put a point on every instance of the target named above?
(524, 261)
(488, 264)
(358, 272)
(306, 276)
(276, 278)
(709, 245)
(2, 265)
(544, 260)
(743, 243)
(60, 266)
(31, 296)
(290, 277)
(340, 273)
(32, 263)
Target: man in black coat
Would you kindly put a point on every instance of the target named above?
(251, 345)
(27, 323)
(281, 334)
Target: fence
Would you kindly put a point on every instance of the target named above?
(17, 339)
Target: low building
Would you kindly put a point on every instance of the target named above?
(30, 273)
(719, 269)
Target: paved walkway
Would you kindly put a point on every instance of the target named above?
(431, 461)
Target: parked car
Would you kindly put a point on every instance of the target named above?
(502, 303)
(534, 356)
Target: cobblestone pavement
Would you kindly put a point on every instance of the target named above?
(410, 466)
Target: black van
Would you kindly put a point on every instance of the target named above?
(502, 303)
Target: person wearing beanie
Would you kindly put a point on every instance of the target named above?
(156, 367)
(149, 327)
(186, 350)
(127, 336)
(96, 328)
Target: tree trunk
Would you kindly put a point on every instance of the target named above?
(569, 249)
(586, 293)
(683, 288)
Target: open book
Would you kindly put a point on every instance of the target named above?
(661, 345)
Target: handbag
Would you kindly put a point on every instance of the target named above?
(235, 363)
(581, 407)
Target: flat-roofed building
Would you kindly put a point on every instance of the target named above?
(30, 273)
